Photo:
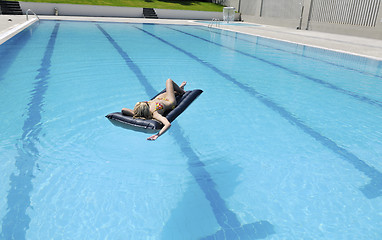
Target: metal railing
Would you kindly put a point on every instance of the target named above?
(352, 12)
(31, 12)
(214, 21)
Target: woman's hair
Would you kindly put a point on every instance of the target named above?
(142, 110)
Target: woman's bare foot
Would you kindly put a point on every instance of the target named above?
(183, 84)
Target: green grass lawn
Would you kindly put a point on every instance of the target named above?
(164, 4)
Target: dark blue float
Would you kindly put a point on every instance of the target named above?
(147, 125)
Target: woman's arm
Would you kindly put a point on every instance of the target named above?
(164, 121)
(127, 112)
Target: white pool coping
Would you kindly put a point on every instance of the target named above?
(365, 47)
(11, 28)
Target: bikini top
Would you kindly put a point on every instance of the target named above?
(160, 106)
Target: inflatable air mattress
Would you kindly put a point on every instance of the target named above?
(183, 102)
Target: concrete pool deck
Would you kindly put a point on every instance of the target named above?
(10, 25)
(366, 47)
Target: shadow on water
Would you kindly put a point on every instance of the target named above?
(228, 225)
(193, 214)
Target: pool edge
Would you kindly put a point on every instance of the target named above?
(15, 30)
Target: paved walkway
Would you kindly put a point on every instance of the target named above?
(343, 43)
(356, 45)
(8, 22)
(12, 24)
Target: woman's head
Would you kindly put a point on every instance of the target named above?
(142, 110)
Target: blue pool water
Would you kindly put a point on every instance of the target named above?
(284, 143)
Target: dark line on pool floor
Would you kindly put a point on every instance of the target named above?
(316, 80)
(371, 190)
(231, 228)
(16, 221)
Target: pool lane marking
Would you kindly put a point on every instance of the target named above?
(134, 67)
(371, 190)
(316, 80)
(297, 54)
(227, 220)
(16, 221)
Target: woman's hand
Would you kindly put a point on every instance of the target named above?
(153, 137)
(164, 121)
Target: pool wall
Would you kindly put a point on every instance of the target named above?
(357, 18)
(8, 34)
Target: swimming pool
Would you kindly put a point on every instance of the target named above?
(284, 143)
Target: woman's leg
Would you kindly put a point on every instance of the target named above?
(171, 87)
